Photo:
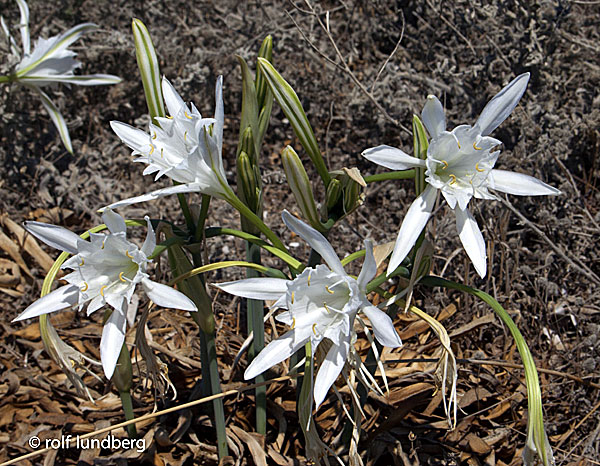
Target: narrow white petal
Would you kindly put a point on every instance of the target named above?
(113, 337)
(392, 158)
(433, 116)
(412, 226)
(53, 235)
(472, 239)
(383, 327)
(503, 103)
(277, 351)
(150, 241)
(61, 298)
(182, 188)
(519, 184)
(24, 26)
(369, 268)
(166, 296)
(135, 138)
(42, 78)
(172, 98)
(113, 221)
(330, 369)
(219, 113)
(316, 241)
(256, 288)
(56, 118)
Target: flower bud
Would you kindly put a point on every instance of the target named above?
(300, 185)
(334, 192)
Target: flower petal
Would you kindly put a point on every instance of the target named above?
(392, 158)
(316, 241)
(24, 26)
(166, 296)
(150, 241)
(134, 138)
(56, 117)
(55, 236)
(277, 351)
(520, 184)
(181, 188)
(369, 268)
(219, 113)
(383, 327)
(472, 239)
(61, 298)
(256, 288)
(113, 221)
(330, 368)
(414, 222)
(172, 98)
(502, 104)
(433, 116)
(113, 337)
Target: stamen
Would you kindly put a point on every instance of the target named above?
(475, 146)
(102, 290)
(154, 136)
(445, 164)
(478, 169)
(169, 117)
(128, 255)
(328, 290)
(185, 136)
(152, 147)
(326, 308)
(121, 277)
(453, 179)
(308, 281)
(293, 323)
(186, 115)
(82, 262)
(85, 288)
(458, 143)
(102, 247)
(293, 293)
(162, 150)
(313, 329)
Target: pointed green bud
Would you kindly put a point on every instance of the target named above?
(246, 180)
(300, 185)
(351, 196)
(420, 144)
(149, 70)
(247, 144)
(334, 192)
(266, 52)
(249, 116)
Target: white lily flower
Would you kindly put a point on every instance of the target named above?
(106, 270)
(186, 148)
(460, 164)
(321, 302)
(50, 62)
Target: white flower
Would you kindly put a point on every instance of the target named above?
(50, 62)
(106, 270)
(460, 164)
(186, 148)
(321, 302)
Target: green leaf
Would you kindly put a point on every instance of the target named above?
(56, 118)
(249, 118)
(148, 65)
(292, 108)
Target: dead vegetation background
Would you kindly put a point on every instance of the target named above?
(543, 251)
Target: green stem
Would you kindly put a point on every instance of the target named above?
(6, 79)
(202, 218)
(122, 378)
(398, 175)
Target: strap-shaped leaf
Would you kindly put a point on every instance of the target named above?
(249, 118)
(81, 80)
(149, 70)
(292, 108)
(56, 117)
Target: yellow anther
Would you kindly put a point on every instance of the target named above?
(308, 280)
(102, 247)
(128, 255)
(445, 164)
(326, 308)
(458, 143)
(478, 169)
(293, 323)
(154, 136)
(475, 146)
(169, 117)
(185, 136)
(82, 262)
(328, 290)
(121, 277)
(186, 114)
(102, 290)
(453, 178)
(162, 150)
(152, 147)
(293, 297)
(85, 288)
(314, 326)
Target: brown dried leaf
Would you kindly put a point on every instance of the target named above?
(14, 252)
(256, 449)
(28, 242)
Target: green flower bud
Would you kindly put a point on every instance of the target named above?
(334, 192)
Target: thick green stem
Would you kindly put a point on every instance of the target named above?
(6, 79)
(122, 378)
(399, 175)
